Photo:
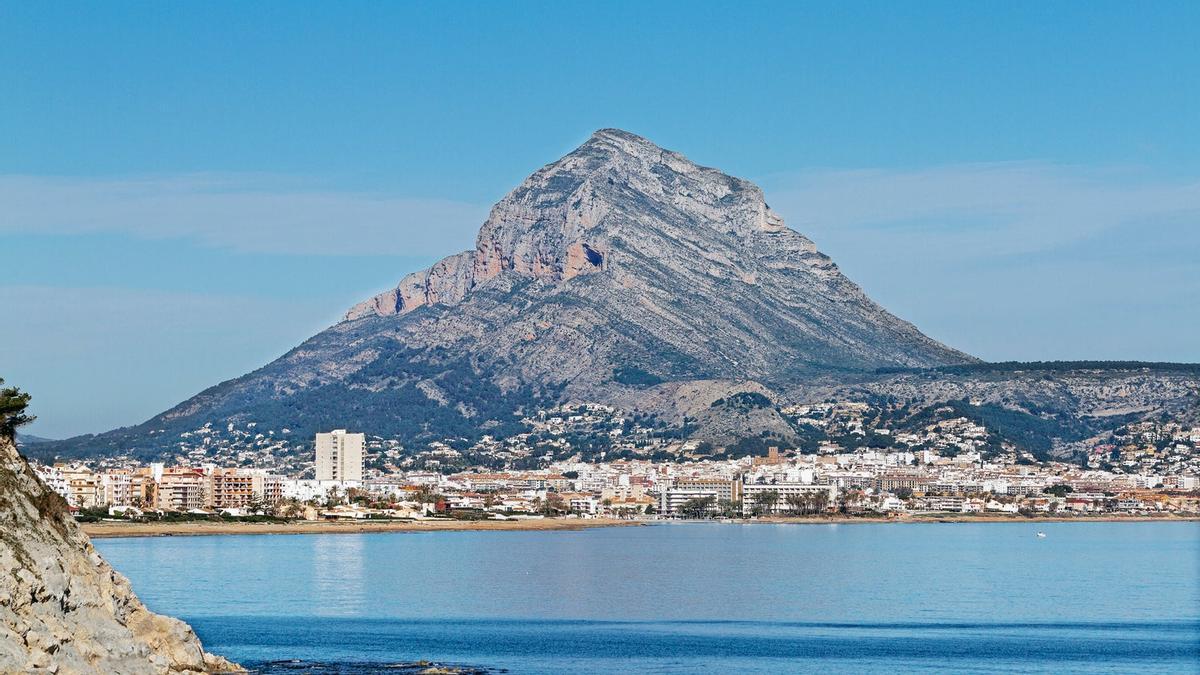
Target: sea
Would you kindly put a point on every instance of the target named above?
(1095, 597)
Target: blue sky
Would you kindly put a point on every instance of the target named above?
(189, 189)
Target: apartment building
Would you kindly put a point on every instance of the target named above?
(730, 490)
(268, 487)
(686, 489)
(751, 492)
(182, 489)
(890, 482)
(83, 486)
(128, 487)
(53, 477)
(229, 489)
(340, 456)
(955, 488)
(672, 500)
(118, 487)
(951, 504)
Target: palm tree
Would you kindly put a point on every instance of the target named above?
(765, 501)
(290, 507)
(853, 500)
(554, 503)
(698, 507)
(333, 497)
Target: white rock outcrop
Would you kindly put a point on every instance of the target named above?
(63, 609)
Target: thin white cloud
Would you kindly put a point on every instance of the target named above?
(1015, 260)
(247, 213)
(981, 210)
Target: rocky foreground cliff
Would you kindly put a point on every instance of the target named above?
(63, 609)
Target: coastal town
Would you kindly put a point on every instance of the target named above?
(946, 465)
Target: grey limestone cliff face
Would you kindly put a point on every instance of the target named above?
(681, 258)
(63, 609)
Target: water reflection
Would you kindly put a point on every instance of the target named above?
(339, 579)
(694, 598)
(921, 573)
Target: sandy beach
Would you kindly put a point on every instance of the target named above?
(127, 529)
(130, 529)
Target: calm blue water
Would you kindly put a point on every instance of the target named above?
(687, 598)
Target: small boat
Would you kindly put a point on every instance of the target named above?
(1041, 535)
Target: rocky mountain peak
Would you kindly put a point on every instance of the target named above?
(617, 142)
(573, 216)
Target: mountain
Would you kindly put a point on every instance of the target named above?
(30, 439)
(664, 257)
(622, 272)
(1058, 409)
(62, 608)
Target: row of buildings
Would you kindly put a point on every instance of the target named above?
(886, 481)
(164, 488)
(589, 432)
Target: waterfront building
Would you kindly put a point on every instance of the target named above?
(751, 492)
(339, 456)
(127, 487)
(729, 490)
(672, 500)
(229, 489)
(685, 489)
(949, 504)
(306, 490)
(582, 503)
(118, 487)
(267, 487)
(83, 486)
(182, 489)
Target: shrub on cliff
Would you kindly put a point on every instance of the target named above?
(13, 403)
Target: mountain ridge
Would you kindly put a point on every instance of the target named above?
(563, 222)
(620, 257)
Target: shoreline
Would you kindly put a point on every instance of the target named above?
(962, 518)
(109, 529)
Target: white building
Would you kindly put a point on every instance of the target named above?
(118, 488)
(751, 492)
(671, 502)
(340, 456)
(318, 490)
(54, 479)
(584, 504)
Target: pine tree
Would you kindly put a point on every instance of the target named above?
(13, 403)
